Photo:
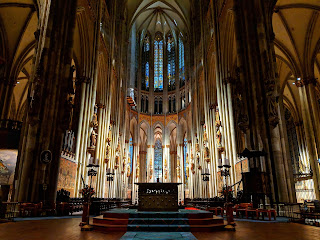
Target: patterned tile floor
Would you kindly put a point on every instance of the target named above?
(158, 235)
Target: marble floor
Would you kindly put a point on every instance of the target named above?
(68, 229)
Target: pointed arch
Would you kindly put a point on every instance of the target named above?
(158, 62)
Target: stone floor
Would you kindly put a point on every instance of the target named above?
(158, 235)
(68, 229)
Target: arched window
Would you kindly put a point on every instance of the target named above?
(158, 160)
(293, 142)
(181, 63)
(171, 62)
(158, 63)
(185, 149)
(155, 106)
(131, 153)
(145, 63)
(160, 106)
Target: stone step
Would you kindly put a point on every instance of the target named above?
(110, 221)
(158, 228)
(160, 221)
(109, 228)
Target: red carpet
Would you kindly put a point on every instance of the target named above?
(191, 208)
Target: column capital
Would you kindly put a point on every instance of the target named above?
(305, 81)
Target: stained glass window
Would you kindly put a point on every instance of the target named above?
(158, 160)
(293, 142)
(181, 62)
(171, 62)
(158, 63)
(131, 153)
(185, 149)
(145, 64)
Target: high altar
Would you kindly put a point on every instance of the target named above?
(158, 196)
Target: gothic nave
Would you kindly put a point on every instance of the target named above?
(100, 98)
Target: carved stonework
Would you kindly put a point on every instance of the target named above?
(243, 122)
(34, 98)
(93, 138)
(150, 169)
(273, 111)
(269, 84)
(94, 122)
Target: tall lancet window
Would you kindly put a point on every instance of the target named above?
(293, 142)
(131, 153)
(171, 62)
(145, 63)
(181, 62)
(158, 63)
(158, 160)
(185, 149)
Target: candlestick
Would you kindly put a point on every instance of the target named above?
(227, 162)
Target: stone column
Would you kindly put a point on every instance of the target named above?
(256, 58)
(311, 126)
(48, 113)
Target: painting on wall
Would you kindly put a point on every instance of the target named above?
(8, 160)
(67, 176)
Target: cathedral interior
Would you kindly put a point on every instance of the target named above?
(219, 97)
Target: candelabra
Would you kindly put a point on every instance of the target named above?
(86, 208)
(225, 172)
(205, 178)
(110, 174)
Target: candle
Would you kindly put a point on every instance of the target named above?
(227, 162)
(219, 162)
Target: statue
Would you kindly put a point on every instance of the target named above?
(178, 168)
(150, 169)
(206, 154)
(218, 137)
(218, 122)
(187, 171)
(205, 137)
(128, 170)
(93, 138)
(94, 122)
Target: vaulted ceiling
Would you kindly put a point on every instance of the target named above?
(296, 25)
(160, 15)
(18, 22)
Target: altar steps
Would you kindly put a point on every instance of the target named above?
(182, 221)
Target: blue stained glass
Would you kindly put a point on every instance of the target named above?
(185, 145)
(158, 159)
(145, 64)
(171, 62)
(181, 61)
(131, 153)
(158, 64)
(147, 74)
